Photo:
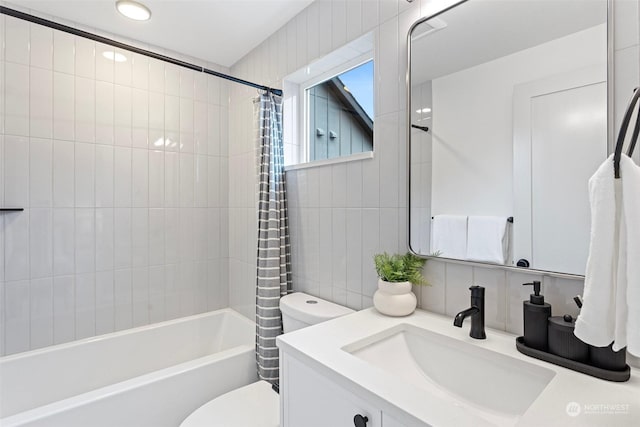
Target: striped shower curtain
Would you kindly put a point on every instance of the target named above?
(274, 266)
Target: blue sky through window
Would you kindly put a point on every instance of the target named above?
(359, 81)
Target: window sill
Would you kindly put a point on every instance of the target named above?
(336, 160)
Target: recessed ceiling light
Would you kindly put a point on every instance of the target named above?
(133, 10)
(114, 56)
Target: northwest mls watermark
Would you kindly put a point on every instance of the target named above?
(574, 409)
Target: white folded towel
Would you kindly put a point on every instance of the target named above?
(449, 236)
(611, 306)
(488, 239)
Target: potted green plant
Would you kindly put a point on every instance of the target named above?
(396, 274)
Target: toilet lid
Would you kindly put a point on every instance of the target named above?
(255, 405)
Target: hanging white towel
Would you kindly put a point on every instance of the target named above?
(611, 306)
(596, 323)
(630, 178)
(488, 239)
(449, 236)
(621, 314)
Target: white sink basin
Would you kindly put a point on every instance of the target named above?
(497, 387)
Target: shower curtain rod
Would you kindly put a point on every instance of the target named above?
(56, 26)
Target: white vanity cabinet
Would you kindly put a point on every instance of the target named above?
(326, 378)
(309, 399)
(389, 421)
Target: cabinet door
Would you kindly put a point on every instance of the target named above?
(310, 400)
(389, 421)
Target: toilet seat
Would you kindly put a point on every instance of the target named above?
(255, 405)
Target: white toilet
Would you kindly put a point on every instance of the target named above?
(257, 405)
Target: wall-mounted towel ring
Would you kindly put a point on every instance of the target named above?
(623, 132)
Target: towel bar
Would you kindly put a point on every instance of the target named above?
(510, 219)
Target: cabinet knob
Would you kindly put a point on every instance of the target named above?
(360, 421)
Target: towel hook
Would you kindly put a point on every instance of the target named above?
(623, 132)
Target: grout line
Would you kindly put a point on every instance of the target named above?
(28, 196)
(73, 208)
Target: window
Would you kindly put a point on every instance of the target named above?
(340, 114)
(329, 106)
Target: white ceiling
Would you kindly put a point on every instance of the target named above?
(219, 31)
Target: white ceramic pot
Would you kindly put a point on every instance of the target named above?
(394, 299)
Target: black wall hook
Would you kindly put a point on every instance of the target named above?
(424, 128)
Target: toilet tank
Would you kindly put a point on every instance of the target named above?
(300, 310)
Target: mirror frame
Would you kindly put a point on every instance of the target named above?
(610, 139)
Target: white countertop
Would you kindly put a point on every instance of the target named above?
(600, 402)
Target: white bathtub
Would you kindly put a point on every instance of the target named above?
(149, 376)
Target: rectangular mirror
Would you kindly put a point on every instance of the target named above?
(507, 111)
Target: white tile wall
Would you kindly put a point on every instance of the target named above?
(40, 103)
(63, 241)
(85, 115)
(85, 320)
(17, 41)
(364, 204)
(63, 106)
(16, 106)
(104, 170)
(63, 309)
(40, 242)
(107, 172)
(122, 177)
(123, 115)
(139, 119)
(84, 171)
(105, 320)
(17, 314)
(63, 52)
(104, 109)
(104, 239)
(123, 299)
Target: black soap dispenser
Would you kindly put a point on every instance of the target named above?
(536, 313)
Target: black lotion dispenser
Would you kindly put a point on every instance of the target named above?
(536, 313)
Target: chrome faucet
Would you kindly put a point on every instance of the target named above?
(476, 312)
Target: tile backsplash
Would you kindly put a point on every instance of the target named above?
(122, 170)
(449, 294)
